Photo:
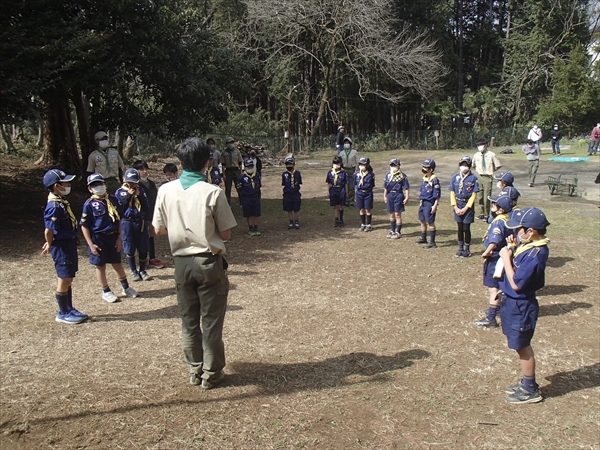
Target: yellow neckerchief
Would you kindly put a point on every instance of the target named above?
(293, 175)
(362, 176)
(208, 175)
(133, 201)
(524, 247)
(503, 217)
(335, 173)
(112, 211)
(251, 176)
(397, 176)
(56, 198)
(429, 179)
(462, 180)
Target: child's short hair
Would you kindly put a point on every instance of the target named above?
(338, 160)
(140, 164)
(170, 168)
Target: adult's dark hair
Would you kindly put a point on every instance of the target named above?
(140, 164)
(170, 167)
(193, 154)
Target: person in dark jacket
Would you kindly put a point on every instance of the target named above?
(339, 139)
(555, 137)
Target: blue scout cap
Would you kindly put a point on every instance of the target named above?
(528, 218)
(131, 176)
(394, 162)
(94, 178)
(249, 162)
(54, 176)
(502, 201)
(290, 160)
(511, 192)
(364, 160)
(506, 177)
(429, 163)
(466, 159)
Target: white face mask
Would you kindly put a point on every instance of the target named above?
(65, 190)
(103, 144)
(362, 168)
(99, 190)
(464, 169)
(250, 169)
(393, 169)
(336, 166)
(346, 146)
(499, 184)
(481, 148)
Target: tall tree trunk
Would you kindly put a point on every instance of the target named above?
(10, 148)
(322, 104)
(460, 43)
(86, 136)
(40, 124)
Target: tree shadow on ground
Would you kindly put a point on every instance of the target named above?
(562, 383)
(560, 289)
(558, 309)
(343, 370)
(558, 261)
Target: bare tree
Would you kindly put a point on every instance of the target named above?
(344, 38)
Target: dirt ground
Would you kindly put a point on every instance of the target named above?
(335, 339)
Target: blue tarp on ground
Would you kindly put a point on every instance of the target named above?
(568, 158)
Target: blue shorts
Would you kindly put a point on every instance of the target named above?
(364, 200)
(66, 261)
(395, 202)
(251, 206)
(337, 196)
(109, 253)
(135, 236)
(489, 266)
(468, 217)
(519, 318)
(425, 214)
(291, 202)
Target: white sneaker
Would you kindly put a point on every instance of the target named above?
(110, 297)
(130, 292)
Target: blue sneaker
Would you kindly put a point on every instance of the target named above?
(68, 318)
(77, 313)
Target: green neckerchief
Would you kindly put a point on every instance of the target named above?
(188, 179)
(105, 154)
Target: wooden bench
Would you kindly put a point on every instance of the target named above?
(562, 183)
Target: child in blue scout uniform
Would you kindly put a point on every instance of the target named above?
(149, 187)
(493, 241)
(135, 236)
(429, 200)
(248, 185)
(213, 174)
(364, 182)
(337, 181)
(395, 195)
(101, 226)
(463, 192)
(61, 235)
(524, 259)
(291, 180)
(505, 184)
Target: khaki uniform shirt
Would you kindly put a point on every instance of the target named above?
(106, 163)
(486, 163)
(193, 217)
(349, 158)
(231, 159)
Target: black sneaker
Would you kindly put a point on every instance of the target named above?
(337, 223)
(290, 226)
(421, 241)
(430, 245)
(486, 323)
(465, 254)
(459, 252)
(522, 395)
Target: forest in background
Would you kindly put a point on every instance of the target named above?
(394, 70)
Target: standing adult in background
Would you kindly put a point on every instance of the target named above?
(556, 136)
(198, 221)
(532, 153)
(485, 163)
(535, 134)
(216, 153)
(594, 140)
(339, 139)
(256, 161)
(350, 161)
(231, 162)
(106, 161)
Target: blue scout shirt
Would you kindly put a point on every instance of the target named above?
(364, 181)
(214, 176)
(249, 184)
(99, 216)
(430, 188)
(132, 207)
(396, 182)
(497, 234)
(530, 265)
(338, 179)
(463, 188)
(59, 218)
(291, 182)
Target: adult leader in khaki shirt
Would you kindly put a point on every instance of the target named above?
(106, 161)
(198, 219)
(485, 164)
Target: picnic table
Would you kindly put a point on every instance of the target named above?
(562, 183)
